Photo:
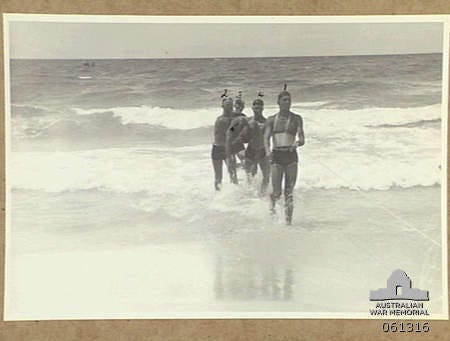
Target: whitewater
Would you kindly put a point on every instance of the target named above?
(371, 148)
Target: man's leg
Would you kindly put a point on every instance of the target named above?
(264, 165)
(249, 169)
(241, 157)
(217, 164)
(277, 176)
(231, 164)
(254, 169)
(289, 184)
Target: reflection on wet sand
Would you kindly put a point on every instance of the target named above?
(245, 280)
(254, 268)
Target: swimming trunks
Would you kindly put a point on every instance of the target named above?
(237, 147)
(255, 154)
(218, 152)
(284, 157)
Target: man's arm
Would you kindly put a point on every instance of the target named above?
(244, 135)
(267, 134)
(216, 129)
(229, 137)
(301, 135)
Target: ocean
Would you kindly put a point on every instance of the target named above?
(116, 156)
(377, 115)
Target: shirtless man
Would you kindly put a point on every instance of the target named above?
(234, 149)
(239, 105)
(218, 153)
(282, 128)
(255, 154)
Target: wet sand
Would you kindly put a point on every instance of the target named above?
(102, 259)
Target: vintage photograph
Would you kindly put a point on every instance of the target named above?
(225, 167)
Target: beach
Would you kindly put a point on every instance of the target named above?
(113, 212)
(341, 245)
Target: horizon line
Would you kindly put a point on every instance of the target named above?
(244, 57)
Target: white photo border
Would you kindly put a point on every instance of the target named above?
(118, 19)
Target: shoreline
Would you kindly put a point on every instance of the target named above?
(342, 248)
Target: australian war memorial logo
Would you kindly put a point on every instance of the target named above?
(399, 298)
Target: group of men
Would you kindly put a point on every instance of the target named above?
(271, 144)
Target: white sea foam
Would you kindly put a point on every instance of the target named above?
(166, 117)
(373, 161)
(350, 149)
(315, 118)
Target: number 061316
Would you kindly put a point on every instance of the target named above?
(408, 327)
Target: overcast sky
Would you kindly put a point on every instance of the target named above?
(154, 40)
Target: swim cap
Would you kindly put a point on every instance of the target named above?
(259, 100)
(224, 99)
(284, 92)
(239, 99)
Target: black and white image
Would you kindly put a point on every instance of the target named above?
(195, 167)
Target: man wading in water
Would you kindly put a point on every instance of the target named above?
(234, 150)
(218, 153)
(283, 128)
(255, 154)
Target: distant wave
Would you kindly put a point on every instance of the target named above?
(28, 110)
(196, 118)
(165, 117)
(414, 124)
(345, 85)
(105, 127)
(195, 126)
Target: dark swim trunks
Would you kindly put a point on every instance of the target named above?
(255, 154)
(237, 147)
(218, 152)
(284, 157)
